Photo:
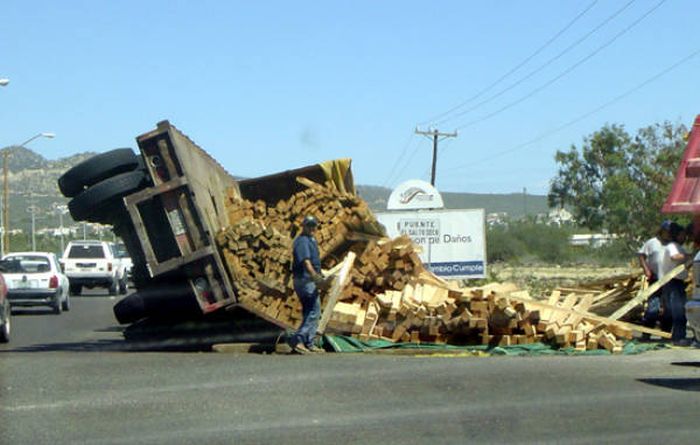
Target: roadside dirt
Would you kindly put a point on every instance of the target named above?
(543, 278)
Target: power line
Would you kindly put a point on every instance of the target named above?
(543, 66)
(412, 155)
(515, 68)
(565, 72)
(398, 160)
(585, 115)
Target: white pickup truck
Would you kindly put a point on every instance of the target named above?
(91, 264)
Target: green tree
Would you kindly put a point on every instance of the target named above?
(617, 182)
(529, 242)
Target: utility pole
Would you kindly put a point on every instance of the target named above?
(435, 135)
(32, 209)
(61, 210)
(6, 203)
(5, 184)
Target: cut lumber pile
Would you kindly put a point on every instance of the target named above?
(610, 293)
(496, 314)
(386, 292)
(257, 245)
(621, 297)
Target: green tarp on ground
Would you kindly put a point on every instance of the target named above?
(341, 343)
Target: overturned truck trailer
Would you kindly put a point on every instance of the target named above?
(168, 203)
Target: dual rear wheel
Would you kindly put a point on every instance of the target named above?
(97, 185)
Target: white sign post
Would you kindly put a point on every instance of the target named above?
(453, 241)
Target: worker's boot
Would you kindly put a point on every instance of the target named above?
(299, 348)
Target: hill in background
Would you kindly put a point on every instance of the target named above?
(31, 173)
(515, 205)
(33, 181)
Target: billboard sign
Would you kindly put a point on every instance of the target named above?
(452, 241)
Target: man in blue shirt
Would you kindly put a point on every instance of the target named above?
(306, 271)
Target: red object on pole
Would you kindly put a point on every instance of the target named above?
(685, 193)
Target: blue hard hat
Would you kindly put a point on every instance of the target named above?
(666, 225)
(310, 221)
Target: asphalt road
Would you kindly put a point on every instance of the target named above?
(72, 379)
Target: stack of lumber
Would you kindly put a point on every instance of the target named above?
(388, 293)
(257, 245)
(340, 215)
(258, 258)
(496, 314)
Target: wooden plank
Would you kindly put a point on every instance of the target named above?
(582, 306)
(359, 236)
(339, 283)
(559, 317)
(639, 299)
(611, 299)
(578, 290)
(553, 300)
(596, 318)
(614, 291)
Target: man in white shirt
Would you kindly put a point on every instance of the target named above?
(650, 257)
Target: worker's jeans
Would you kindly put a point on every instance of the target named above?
(675, 299)
(653, 311)
(655, 305)
(311, 310)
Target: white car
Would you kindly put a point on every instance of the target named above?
(122, 254)
(91, 263)
(35, 279)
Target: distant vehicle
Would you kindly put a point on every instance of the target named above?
(5, 313)
(120, 252)
(91, 264)
(35, 279)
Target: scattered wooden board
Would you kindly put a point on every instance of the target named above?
(647, 293)
(339, 282)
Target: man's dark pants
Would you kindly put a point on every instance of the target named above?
(311, 310)
(675, 298)
(656, 304)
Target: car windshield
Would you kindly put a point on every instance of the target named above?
(83, 251)
(25, 264)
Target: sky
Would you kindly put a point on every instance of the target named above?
(270, 86)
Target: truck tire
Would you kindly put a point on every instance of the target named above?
(99, 202)
(164, 301)
(130, 309)
(97, 169)
(75, 289)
